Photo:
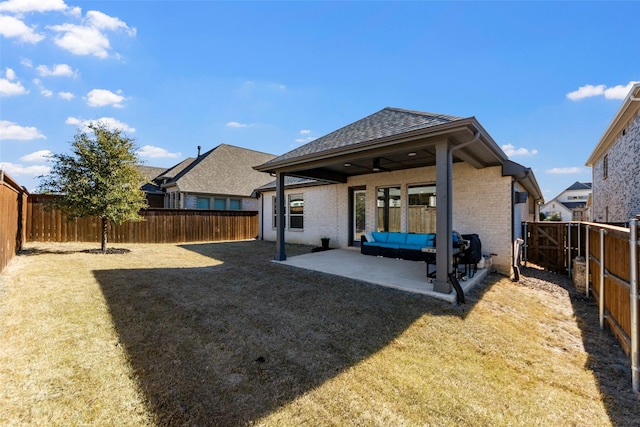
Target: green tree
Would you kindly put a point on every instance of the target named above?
(99, 178)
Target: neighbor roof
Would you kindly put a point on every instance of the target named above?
(579, 186)
(224, 170)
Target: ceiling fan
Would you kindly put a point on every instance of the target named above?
(377, 167)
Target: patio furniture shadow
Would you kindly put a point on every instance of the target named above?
(231, 343)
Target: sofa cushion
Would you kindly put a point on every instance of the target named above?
(397, 238)
(416, 240)
(388, 245)
(431, 239)
(379, 236)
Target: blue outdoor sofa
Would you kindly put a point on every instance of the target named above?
(397, 245)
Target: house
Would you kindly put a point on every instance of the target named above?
(570, 205)
(400, 170)
(615, 162)
(222, 178)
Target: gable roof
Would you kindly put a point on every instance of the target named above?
(629, 108)
(579, 186)
(224, 170)
(385, 123)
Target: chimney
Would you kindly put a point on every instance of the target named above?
(199, 147)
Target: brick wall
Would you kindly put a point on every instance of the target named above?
(617, 198)
(481, 205)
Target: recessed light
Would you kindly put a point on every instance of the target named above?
(411, 154)
(346, 165)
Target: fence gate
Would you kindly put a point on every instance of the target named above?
(552, 245)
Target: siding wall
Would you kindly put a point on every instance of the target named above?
(481, 204)
(619, 193)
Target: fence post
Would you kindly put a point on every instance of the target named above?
(633, 251)
(587, 257)
(569, 247)
(579, 239)
(526, 244)
(601, 291)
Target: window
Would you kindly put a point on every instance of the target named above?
(422, 209)
(605, 166)
(234, 204)
(275, 213)
(388, 210)
(202, 203)
(220, 204)
(296, 211)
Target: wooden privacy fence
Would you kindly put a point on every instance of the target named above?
(159, 226)
(611, 272)
(553, 245)
(13, 203)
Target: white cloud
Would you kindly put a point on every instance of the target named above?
(305, 132)
(106, 22)
(569, 170)
(238, 125)
(152, 152)
(66, 95)
(10, 74)
(587, 91)
(511, 151)
(46, 93)
(11, 27)
(40, 156)
(89, 38)
(14, 169)
(619, 92)
(11, 130)
(57, 70)
(103, 97)
(22, 6)
(81, 40)
(9, 88)
(26, 62)
(109, 122)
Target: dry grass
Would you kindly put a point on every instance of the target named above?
(215, 334)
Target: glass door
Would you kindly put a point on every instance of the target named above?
(358, 214)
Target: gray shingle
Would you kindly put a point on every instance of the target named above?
(386, 122)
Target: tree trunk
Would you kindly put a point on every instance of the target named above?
(105, 224)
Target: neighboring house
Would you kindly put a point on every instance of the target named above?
(222, 178)
(151, 186)
(570, 205)
(400, 170)
(615, 164)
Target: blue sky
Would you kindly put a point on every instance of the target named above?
(545, 79)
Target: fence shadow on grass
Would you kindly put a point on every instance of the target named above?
(606, 358)
(231, 343)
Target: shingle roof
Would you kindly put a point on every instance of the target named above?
(579, 186)
(225, 170)
(386, 122)
(173, 171)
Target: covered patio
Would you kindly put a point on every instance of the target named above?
(408, 276)
(396, 147)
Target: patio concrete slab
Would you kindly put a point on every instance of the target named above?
(409, 276)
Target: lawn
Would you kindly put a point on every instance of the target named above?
(217, 334)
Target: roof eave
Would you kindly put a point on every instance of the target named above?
(470, 124)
